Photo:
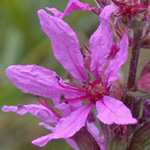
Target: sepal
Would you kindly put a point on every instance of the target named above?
(141, 138)
(117, 145)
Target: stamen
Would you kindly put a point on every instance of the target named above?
(78, 99)
(82, 51)
(58, 78)
(62, 97)
(48, 107)
(66, 81)
(116, 127)
(72, 86)
(87, 49)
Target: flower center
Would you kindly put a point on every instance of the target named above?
(96, 91)
(93, 91)
(130, 9)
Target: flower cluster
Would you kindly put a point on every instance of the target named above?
(87, 94)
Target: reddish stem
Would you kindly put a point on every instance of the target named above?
(136, 44)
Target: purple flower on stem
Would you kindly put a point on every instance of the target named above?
(106, 60)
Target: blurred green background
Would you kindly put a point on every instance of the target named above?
(23, 42)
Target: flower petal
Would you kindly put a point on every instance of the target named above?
(72, 143)
(69, 141)
(67, 127)
(101, 42)
(57, 13)
(35, 110)
(64, 43)
(111, 72)
(46, 126)
(111, 111)
(39, 81)
(66, 109)
(72, 6)
(15, 109)
(92, 128)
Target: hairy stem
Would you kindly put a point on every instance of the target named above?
(136, 44)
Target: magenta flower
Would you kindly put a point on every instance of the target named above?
(106, 60)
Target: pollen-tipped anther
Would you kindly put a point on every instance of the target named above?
(58, 78)
(62, 99)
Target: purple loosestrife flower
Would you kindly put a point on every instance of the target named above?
(106, 59)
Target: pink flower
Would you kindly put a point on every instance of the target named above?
(106, 60)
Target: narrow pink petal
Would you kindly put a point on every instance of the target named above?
(64, 43)
(72, 143)
(39, 81)
(56, 12)
(35, 110)
(111, 72)
(46, 126)
(67, 109)
(64, 108)
(111, 111)
(101, 42)
(72, 6)
(69, 141)
(67, 127)
(41, 112)
(92, 128)
(15, 109)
